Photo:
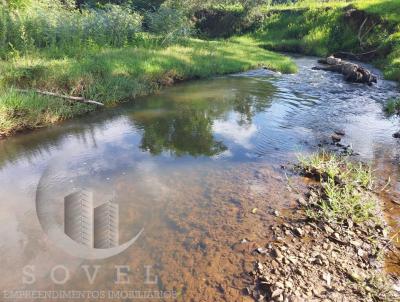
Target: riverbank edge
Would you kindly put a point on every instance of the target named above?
(314, 258)
(355, 31)
(109, 76)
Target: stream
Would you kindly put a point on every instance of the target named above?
(186, 167)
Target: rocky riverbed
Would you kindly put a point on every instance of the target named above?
(314, 258)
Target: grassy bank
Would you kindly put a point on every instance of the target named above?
(323, 28)
(112, 75)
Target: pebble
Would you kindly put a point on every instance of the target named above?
(277, 293)
(278, 254)
(336, 138)
(279, 285)
(296, 299)
(302, 201)
(328, 229)
(350, 223)
(299, 232)
(356, 243)
(262, 250)
(288, 284)
(327, 278)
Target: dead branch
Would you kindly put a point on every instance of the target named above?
(359, 35)
(67, 97)
(358, 56)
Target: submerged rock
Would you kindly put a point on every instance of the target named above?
(336, 138)
(396, 135)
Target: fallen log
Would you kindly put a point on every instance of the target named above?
(352, 72)
(68, 97)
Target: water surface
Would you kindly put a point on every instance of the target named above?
(187, 165)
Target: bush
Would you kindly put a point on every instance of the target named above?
(170, 22)
(51, 24)
(217, 23)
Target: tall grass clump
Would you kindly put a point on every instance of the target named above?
(344, 190)
(393, 107)
(27, 111)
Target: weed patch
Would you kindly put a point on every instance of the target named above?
(393, 107)
(344, 190)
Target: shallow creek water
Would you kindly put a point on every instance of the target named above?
(186, 166)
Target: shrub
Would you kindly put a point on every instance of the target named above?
(51, 24)
(170, 22)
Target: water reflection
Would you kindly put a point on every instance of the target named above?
(183, 124)
(200, 155)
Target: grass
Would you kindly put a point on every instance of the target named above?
(23, 111)
(393, 107)
(320, 28)
(387, 9)
(112, 75)
(344, 188)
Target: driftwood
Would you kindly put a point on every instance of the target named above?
(352, 72)
(67, 97)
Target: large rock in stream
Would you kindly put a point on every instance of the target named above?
(352, 72)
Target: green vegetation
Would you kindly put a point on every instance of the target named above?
(111, 51)
(393, 107)
(112, 75)
(344, 188)
(105, 54)
(322, 28)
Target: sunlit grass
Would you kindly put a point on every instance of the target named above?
(318, 28)
(387, 9)
(345, 188)
(25, 111)
(112, 75)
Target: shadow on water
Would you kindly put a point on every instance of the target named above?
(189, 163)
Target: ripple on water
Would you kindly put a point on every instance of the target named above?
(203, 154)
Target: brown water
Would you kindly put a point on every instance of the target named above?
(188, 166)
